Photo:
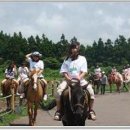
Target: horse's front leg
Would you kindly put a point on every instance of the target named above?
(8, 100)
(30, 113)
(35, 112)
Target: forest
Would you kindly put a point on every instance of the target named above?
(105, 54)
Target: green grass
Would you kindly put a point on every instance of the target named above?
(7, 119)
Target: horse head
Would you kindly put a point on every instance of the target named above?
(77, 101)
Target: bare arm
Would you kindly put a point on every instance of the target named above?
(66, 76)
(28, 55)
(81, 75)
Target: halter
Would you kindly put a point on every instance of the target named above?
(78, 104)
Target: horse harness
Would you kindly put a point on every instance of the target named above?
(86, 101)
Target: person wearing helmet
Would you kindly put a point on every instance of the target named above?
(36, 67)
(104, 82)
(128, 70)
(97, 72)
(74, 66)
(114, 70)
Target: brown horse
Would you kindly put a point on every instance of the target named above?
(6, 90)
(117, 79)
(34, 96)
(96, 82)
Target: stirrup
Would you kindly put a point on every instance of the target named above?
(57, 116)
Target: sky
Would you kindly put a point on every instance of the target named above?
(87, 21)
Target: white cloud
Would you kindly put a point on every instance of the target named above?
(115, 22)
(99, 12)
(86, 20)
(55, 22)
(27, 30)
(2, 13)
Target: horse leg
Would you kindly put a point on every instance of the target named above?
(98, 86)
(8, 101)
(30, 113)
(110, 88)
(125, 86)
(35, 113)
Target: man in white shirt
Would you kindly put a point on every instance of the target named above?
(36, 68)
(75, 66)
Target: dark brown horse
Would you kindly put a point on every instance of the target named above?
(34, 96)
(74, 105)
(6, 90)
(117, 79)
(96, 82)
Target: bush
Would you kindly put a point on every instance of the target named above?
(49, 104)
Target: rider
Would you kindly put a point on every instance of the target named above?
(74, 66)
(10, 73)
(114, 70)
(97, 71)
(36, 68)
(128, 69)
(23, 74)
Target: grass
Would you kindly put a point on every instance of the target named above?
(7, 119)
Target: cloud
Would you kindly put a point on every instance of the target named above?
(88, 21)
(114, 22)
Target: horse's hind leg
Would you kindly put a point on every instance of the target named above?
(110, 88)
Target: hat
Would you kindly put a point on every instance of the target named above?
(36, 53)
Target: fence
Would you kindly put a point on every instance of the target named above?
(4, 112)
(52, 84)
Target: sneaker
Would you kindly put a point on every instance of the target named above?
(45, 97)
(57, 116)
(93, 116)
(18, 94)
(22, 95)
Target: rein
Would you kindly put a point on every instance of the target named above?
(78, 104)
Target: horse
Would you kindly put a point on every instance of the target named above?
(6, 90)
(96, 82)
(74, 105)
(117, 79)
(34, 96)
(126, 80)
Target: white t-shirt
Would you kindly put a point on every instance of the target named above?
(36, 65)
(73, 68)
(23, 72)
(10, 74)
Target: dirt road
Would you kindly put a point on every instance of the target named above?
(111, 109)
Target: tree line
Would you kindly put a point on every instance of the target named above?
(108, 53)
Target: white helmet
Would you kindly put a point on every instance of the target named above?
(36, 53)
